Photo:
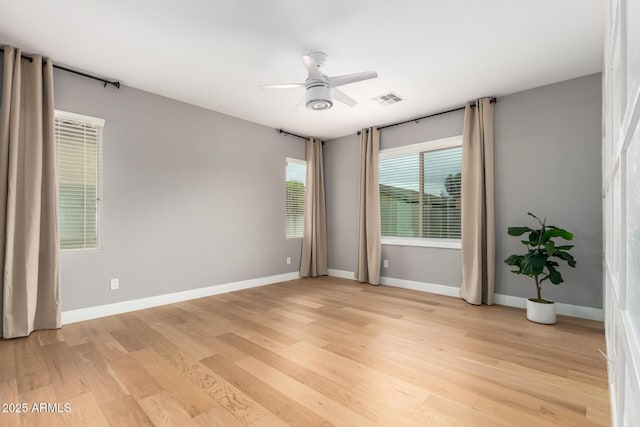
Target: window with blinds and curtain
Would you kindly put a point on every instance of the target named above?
(78, 159)
(420, 193)
(295, 181)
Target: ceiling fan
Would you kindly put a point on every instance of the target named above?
(320, 90)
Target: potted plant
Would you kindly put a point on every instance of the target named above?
(540, 262)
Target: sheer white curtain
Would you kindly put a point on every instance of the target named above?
(29, 248)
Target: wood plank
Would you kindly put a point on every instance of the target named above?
(127, 340)
(75, 334)
(185, 338)
(29, 365)
(333, 411)
(66, 378)
(9, 395)
(98, 374)
(229, 398)
(125, 411)
(8, 364)
(219, 417)
(85, 411)
(303, 369)
(37, 415)
(129, 374)
(49, 336)
(289, 410)
(192, 399)
(164, 411)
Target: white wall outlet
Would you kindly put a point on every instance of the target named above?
(115, 284)
(385, 263)
(288, 260)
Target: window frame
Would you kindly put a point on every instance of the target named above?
(427, 242)
(298, 162)
(61, 114)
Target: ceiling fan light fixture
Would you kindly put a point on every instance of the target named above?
(318, 96)
(319, 104)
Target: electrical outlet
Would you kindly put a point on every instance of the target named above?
(115, 284)
(385, 263)
(288, 260)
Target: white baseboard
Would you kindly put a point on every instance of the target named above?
(72, 316)
(561, 308)
(453, 291)
(342, 274)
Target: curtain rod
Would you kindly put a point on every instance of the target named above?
(291, 134)
(106, 82)
(296, 135)
(417, 119)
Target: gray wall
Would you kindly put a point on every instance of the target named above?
(191, 198)
(547, 160)
(341, 181)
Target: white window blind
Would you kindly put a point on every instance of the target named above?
(420, 190)
(296, 176)
(78, 151)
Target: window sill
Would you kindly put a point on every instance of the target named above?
(80, 250)
(425, 243)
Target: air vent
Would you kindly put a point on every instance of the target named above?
(388, 98)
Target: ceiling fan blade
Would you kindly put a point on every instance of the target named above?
(300, 103)
(352, 78)
(312, 68)
(283, 86)
(339, 95)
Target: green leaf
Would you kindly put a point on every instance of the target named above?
(550, 247)
(514, 260)
(517, 231)
(554, 275)
(567, 257)
(556, 232)
(564, 247)
(533, 264)
(534, 237)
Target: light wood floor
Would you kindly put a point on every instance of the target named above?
(312, 352)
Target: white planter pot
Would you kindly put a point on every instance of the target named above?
(541, 313)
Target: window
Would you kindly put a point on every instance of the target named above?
(296, 177)
(78, 151)
(420, 193)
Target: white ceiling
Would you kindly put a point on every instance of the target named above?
(215, 53)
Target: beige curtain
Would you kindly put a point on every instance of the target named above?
(368, 263)
(313, 261)
(478, 236)
(29, 253)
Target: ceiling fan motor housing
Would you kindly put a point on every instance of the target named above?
(318, 96)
